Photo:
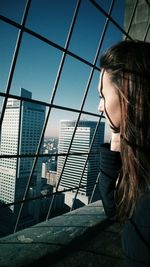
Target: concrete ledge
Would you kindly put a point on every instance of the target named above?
(49, 239)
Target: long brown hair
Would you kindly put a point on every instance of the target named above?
(128, 64)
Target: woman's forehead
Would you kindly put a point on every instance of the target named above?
(100, 85)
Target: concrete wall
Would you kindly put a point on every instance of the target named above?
(79, 238)
(140, 21)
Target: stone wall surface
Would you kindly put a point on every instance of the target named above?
(83, 237)
(140, 23)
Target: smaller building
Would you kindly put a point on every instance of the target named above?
(80, 169)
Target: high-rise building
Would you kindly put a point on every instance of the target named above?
(21, 130)
(75, 164)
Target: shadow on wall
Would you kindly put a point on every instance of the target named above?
(7, 220)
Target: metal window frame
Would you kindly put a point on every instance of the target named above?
(65, 51)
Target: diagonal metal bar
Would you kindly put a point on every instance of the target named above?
(132, 17)
(147, 30)
(14, 60)
(44, 155)
(110, 18)
(49, 111)
(38, 197)
(82, 105)
(19, 138)
(96, 56)
(50, 105)
(148, 3)
(96, 183)
(47, 41)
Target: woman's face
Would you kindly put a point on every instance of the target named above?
(109, 102)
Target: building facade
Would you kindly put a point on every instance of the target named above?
(79, 169)
(21, 130)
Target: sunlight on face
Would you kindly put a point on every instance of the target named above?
(109, 102)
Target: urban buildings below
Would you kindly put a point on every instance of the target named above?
(49, 164)
(49, 179)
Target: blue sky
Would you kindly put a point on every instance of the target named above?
(38, 63)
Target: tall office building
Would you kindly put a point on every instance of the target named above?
(75, 164)
(21, 130)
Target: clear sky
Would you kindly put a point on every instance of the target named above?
(38, 63)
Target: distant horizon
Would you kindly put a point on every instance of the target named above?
(107, 134)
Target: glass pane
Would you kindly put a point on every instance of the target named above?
(56, 116)
(87, 32)
(104, 4)
(36, 68)
(72, 83)
(118, 12)
(51, 18)
(6, 51)
(12, 9)
(1, 102)
(112, 36)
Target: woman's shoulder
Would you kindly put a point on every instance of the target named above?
(142, 210)
(109, 159)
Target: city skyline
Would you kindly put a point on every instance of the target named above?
(38, 62)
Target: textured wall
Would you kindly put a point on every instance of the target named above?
(140, 23)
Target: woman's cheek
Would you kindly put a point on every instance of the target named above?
(113, 114)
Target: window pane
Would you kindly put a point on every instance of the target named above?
(87, 32)
(36, 68)
(112, 36)
(6, 51)
(51, 18)
(72, 83)
(12, 9)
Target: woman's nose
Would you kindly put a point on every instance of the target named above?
(101, 105)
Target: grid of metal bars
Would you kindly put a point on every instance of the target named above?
(65, 51)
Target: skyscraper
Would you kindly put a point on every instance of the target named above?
(21, 130)
(75, 164)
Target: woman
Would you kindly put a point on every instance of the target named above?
(124, 89)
